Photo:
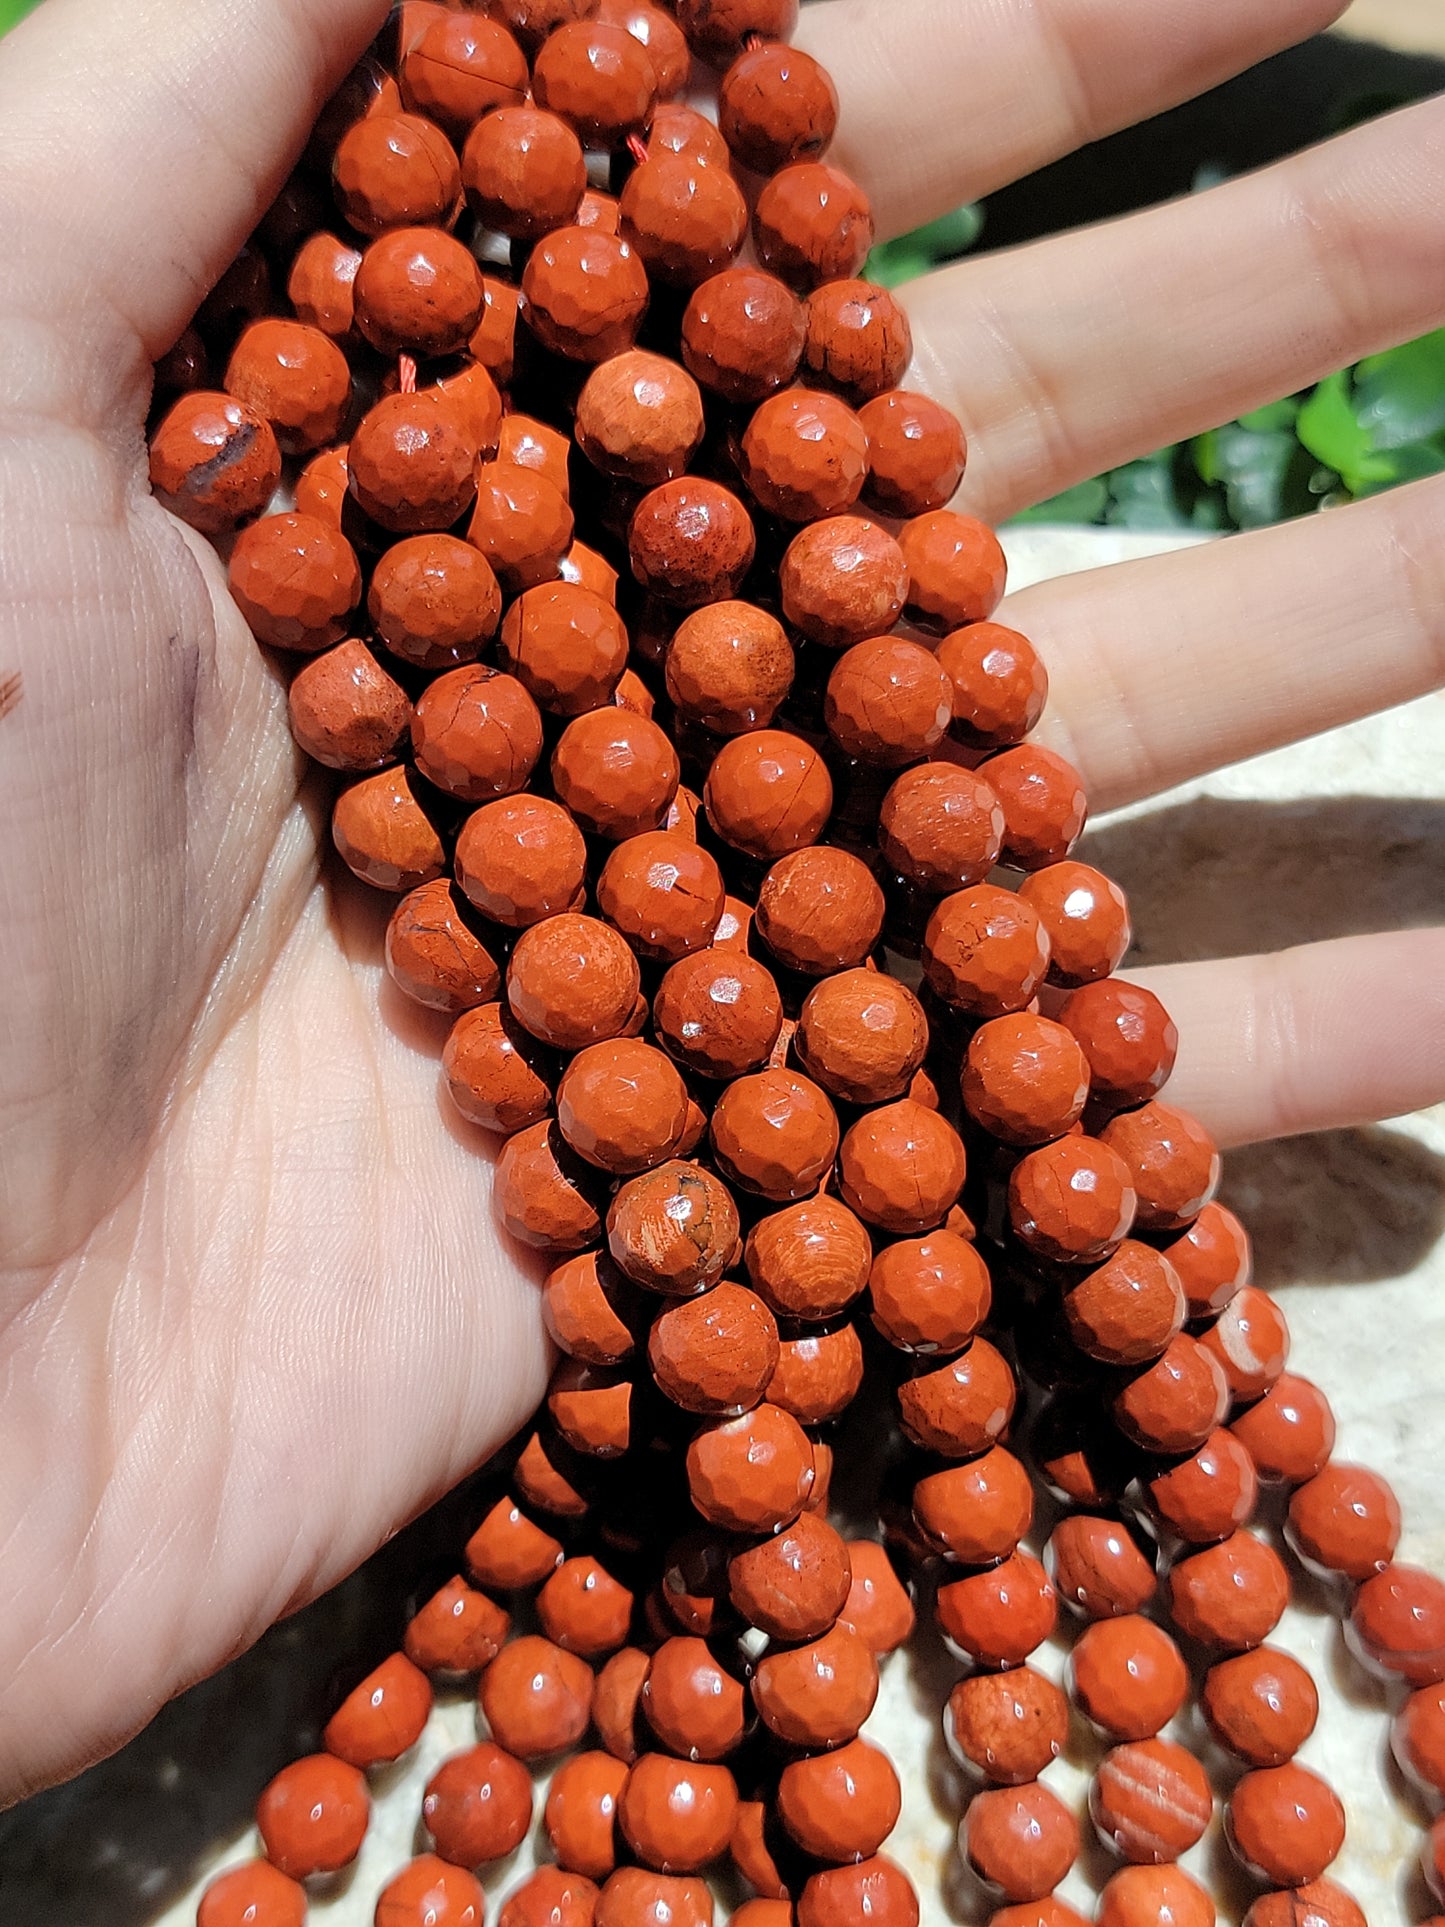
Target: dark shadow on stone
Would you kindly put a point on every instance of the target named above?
(120, 1842)
(1216, 877)
(1341, 1207)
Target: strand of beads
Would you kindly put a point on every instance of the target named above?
(680, 1075)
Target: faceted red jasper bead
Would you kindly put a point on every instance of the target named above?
(1128, 1676)
(1021, 1841)
(478, 1805)
(1417, 1737)
(1099, 1567)
(313, 1816)
(1007, 1726)
(537, 1698)
(1318, 1903)
(1150, 1801)
(1208, 1496)
(874, 1893)
(1232, 1595)
(1346, 1520)
(1397, 1624)
(254, 1894)
(581, 1813)
(457, 1630)
(1289, 1433)
(1285, 1824)
(1001, 1616)
(1128, 1037)
(430, 1893)
(1262, 1705)
(382, 1717)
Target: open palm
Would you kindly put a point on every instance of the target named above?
(253, 1312)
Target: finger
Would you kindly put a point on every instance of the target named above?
(1079, 353)
(1310, 1039)
(1165, 669)
(945, 100)
(139, 144)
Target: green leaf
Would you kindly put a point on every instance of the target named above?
(1409, 464)
(13, 10)
(1145, 496)
(1279, 414)
(1400, 396)
(950, 234)
(1086, 503)
(1265, 476)
(1330, 429)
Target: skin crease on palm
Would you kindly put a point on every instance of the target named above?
(253, 1312)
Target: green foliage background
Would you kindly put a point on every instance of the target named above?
(1358, 432)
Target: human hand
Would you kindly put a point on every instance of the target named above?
(254, 1312)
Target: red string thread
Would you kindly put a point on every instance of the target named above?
(406, 375)
(637, 148)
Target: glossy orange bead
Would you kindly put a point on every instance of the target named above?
(296, 581)
(975, 1513)
(964, 1407)
(999, 682)
(1289, 1433)
(520, 860)
(1020, 1841)
(524, 172)
(434, 600)
(384, 836)
(1128, 1310)
(383, 1717)
(678, 1815)
(418, 291)
(1128, 1037)
(537, 1698)
(862, 1035)
(583, 1609)
(477, 734)
(1417, 1738)
(696, 1709)
(1072, 1201)
(888, 702)
(818, 1695)
(985, 951)
(842, 1805)
(1206, 1497)
(478, 1805)
(901, 1167)
(941, 827)
(1397, 1624)
(1128, 1677)
(859, 338)
(1346, 1520)
(1086, 917)
(794, 1585)
(743, 333)
(1285, 1824)
(1232, 1595)
(1262, 1705)
(430, 1893)
(691, 541)
(313, 1816)
(255, 1894)
(751, 1474)
(673, 1230)
(686, 219)
(296, 377)
(346, 712)
(775, 1133)
(715, 1354)
(460, 67)
(509, 1550)
(396, 171)
(1152, 1896)
(214, 462)
(584, 293)
(639, 418)
(812, 224)
(804, 455)
(581, 1813)
(1006, 1726)
(1025, 1079)
(663, 893)
(1099, 1568)
(635, 1897)
(1173, 1163)
(728, 667)
(844, 580)
(811, 1260)
(1150, 1800)
(1318, 1903)
(768, 793)
(597, 77)
(776, 105)
(457, 1630)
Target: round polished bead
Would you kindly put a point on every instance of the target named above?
(411, 465)
(1099, 1567)
(383, 1717)
(1231, 1595)
(1128, 1677)
(255, 1894)
(663, 892)
(1044, 805)
(1250, 1338)
(1206, 1497)
(458, 1630)
(962, 1408)
(840, 1806)
(396, 171)
(523, 525)
(296, 581)
(715, 1354)
(520, 860)
(1289, 1433)
(768, 793)
(751, 1474)
(584, 293)
(313, 1816)
(1128, 1310)
(524, 172)
(819, 1694)
(573, 981)
(985, 951)
(820, 910)
(1072, 1201)
(776, 105)
(1174, 1405)
(460, 67)
(804, 455)
(1262, 1705)
(617, 773)
(728, 668)
(976, 1513)
(1000, 684)
(539, 1193)
(811, 1260)
(1025, 1079)
(673, 1230)
(1086, 917)
(566, 646)
(1173, 1163)
(794, 1585)
(639, 418)
(214, 462)
(858, 339)
(862, 1035)
(384, 836)
(1397, 1624)
(843, 580)
(296, 377)
(597, 77)
(901, 1167)
(1006, 1726)
(941, 827)
(434, 600)
(537, 1699)
(418, 291)
(477, 734)
(812, 224)
(1285, 1824)
(1020, 1841)
(775, 1134)
(999, 1617)
(1128, 1037)
(478, 1804)
(690, 542)
(888, 702)
(957, 570)
(1150, 1800)
(685, 218)
(346, 712)
(743, 334)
